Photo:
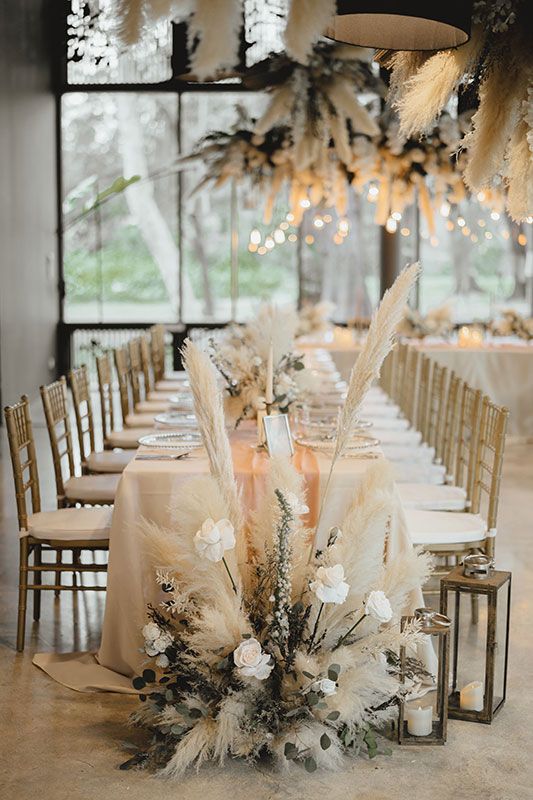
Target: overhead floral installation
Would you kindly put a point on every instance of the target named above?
(495, 69)
(269, 641)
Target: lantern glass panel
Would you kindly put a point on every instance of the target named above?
(470, 637)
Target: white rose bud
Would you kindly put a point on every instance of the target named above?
(214, 538)
(251, 661)
(326, 686)
(329, 585)
(162, 661)
(377, 606)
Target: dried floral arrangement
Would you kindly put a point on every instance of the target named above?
(314, 318)
(437, 322)
(495, 70)
(513, 324)
(240, 354)
(267, 641)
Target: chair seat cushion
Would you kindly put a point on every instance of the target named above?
(412, 454)
(444, 527)
(163, 395)
(129, 438)
(141, 420)
(147, 406)
(428, 497)
(71, 524)
(92, 488)
(173, 384)
(377, 410)
(392, 436)
(405, 472)
(108, 461)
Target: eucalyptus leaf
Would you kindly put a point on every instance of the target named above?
(325, 741)
(333, 715)
(310, 764)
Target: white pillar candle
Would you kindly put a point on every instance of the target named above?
(471, 696)
(269, 388)
(419, 721)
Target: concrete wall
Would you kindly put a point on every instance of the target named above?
(28, 271)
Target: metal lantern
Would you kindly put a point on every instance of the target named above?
(424, 721)
(402, 24)
(478, 599)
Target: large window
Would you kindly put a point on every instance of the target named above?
(140, 244)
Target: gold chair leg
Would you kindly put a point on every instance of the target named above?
(59, 560)
(37, 579)
(23, 593)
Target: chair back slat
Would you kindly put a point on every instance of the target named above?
(467, 438)
(408, 387)
(146, 365)
(422, 401)
(22, 446)
(55, 405)
(123, 377)
(436, 406)
(105, 390)
(136, 372)
(157, 340)
(446, 448)
(489, 462)
(81, 397)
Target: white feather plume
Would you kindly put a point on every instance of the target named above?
(307, 20)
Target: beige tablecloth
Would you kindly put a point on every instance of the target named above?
(504, 372)
(144, 491)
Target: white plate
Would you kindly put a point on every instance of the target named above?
(319, 443)
(185, 440)
(176, 419)
(180, 400)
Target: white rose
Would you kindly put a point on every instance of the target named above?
(297, 506)
(161, 643)
(330, 586)
(326, 686)
(257, 361)
(251, 661)
(214, 538)
(377, 606)
(162, 661)
(151, 631)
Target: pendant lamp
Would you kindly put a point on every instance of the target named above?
(402, 24)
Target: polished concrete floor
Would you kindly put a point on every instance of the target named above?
(56, 744)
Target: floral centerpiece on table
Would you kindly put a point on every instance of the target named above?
(437, 322)
(314, 318)
(241, 356)
(271, 639)
(512, 324)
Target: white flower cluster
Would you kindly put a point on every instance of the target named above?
(251, 661)
(156, 641)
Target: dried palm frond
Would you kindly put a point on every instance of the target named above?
(519, 175)
(493, 124)
(217, 25)
(307, 20)
(209, 410)
(425, 94)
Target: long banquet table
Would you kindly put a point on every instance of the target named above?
(144, 492)
(502, 370)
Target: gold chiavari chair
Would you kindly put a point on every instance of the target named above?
(408, 388)
(163, 381)
(130, 418)
(91, 460)
(146, 364)
(127, 438)
(74, 529)
(138, 386)
(423, 395)
(436, 409)
(458, 441)
(482, 437)
(71, 489)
